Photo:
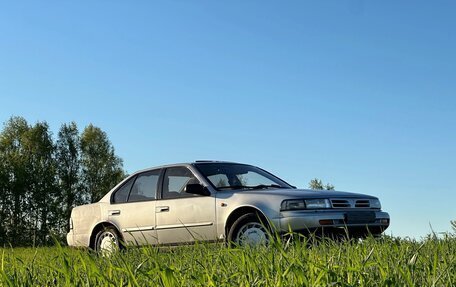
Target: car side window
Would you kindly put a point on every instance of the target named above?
(175, 181)
(145, 186)
(121, 194)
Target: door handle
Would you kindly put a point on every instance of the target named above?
(114, 212)
(161, 208)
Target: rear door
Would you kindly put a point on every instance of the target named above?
(183, 217)
(133, 208)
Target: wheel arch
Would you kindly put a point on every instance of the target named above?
(240, 211)
(100, 226)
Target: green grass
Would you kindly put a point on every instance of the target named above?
(373, 262)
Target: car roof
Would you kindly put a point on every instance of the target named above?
(184, 164)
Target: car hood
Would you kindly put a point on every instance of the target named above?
(307, 193)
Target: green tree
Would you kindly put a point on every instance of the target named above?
(41, 181)
(42, 193)
(68, 154)
(101, 168)
(13, 199)
(317, 184)
(4, 180)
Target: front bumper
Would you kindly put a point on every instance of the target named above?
(352, 221)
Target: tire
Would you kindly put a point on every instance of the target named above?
(107, 241)
(249, 230)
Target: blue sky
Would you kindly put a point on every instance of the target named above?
(358, 93)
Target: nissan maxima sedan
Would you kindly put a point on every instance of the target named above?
(217, 201)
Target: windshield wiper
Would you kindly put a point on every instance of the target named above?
(264, 186)
(233, 187)
(260, 186)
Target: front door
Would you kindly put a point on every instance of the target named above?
(180, 216)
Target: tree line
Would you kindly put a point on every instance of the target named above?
(42, 178)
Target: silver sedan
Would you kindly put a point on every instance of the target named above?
(217, 201)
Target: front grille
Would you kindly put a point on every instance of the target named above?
(362, 203)
(340, 203)
(350, 203)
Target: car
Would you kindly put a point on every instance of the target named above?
(217, 201)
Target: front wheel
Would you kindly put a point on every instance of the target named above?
(107, 241)
(249, 230)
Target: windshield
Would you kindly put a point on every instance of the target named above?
(232, 176)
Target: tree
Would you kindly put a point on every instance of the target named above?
(317, 184)
(42, 193)
(68, 156)
(102, 169)
(4, 180)
(41, 181)
(13, 200)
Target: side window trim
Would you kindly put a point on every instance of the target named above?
(131, 188)
(162, 181)
(135, 177)
(157, 189)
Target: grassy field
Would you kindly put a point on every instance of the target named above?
(373, 262)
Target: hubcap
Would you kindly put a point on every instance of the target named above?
(107, 243)
(252, 233)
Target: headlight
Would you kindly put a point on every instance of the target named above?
(317, 203)
(293, 204)
(300, 204)
(375, 203)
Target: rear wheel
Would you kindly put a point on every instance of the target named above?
(249, 230)
(107, 241)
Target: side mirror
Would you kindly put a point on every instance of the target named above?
(197, 188)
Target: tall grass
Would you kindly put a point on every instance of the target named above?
(372, 262)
